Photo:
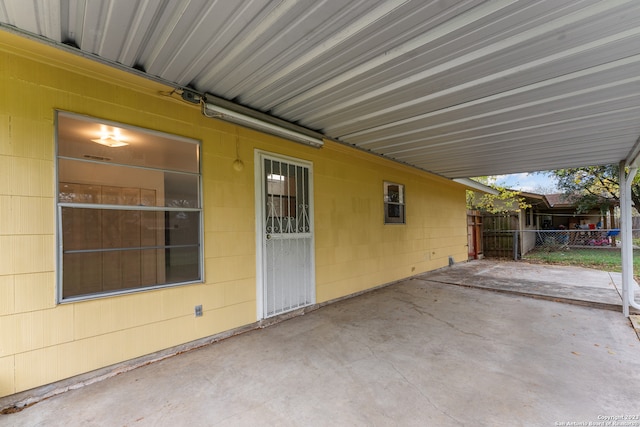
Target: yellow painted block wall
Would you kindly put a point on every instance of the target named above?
(355, 250)
(42, 342)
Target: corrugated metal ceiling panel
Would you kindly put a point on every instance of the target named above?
(460, 88)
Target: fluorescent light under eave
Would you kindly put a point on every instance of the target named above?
(213, 111)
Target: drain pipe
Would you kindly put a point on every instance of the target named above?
(628, 296)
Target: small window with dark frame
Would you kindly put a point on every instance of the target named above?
(129, 209)
(393, 203)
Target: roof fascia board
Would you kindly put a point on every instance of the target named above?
(476, 186)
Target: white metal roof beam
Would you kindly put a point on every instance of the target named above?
(335, 128)
(518, 148)
(288, 107)
(426, 138)
(166, 33)
(38, 17)
(524, 151)
(477, 124)
(575, 127)
(327, 46)
(440, 31)
(142, 20)
(633, 60)
(255, 36)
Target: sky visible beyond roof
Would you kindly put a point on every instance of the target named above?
(535, 182)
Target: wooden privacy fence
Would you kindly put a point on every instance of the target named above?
(500, 235)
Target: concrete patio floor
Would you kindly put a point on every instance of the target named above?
(420, 352)
(574, 285)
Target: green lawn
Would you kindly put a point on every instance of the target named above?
(600, 258)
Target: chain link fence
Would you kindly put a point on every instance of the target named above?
(551, 240)
(561, 241)
(515, 244)
(594, 248)
(584, 245)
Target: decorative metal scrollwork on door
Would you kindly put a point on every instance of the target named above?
(287, 240)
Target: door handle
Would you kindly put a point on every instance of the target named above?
(268, 236)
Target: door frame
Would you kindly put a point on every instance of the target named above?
(260, 203)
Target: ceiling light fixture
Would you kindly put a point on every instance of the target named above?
(110, 141)
(216, 112)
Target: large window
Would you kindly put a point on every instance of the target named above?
(393, 203)
(129, 212)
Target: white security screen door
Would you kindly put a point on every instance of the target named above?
(285, 236)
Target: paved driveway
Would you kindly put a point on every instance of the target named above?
(418, 353)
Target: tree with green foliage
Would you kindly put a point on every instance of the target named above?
(594, 186)
(505, 201)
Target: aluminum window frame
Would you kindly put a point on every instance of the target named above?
(59, 250)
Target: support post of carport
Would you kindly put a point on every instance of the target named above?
(626, 234)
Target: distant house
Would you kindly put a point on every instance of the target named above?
(561, 210)
(513, 234)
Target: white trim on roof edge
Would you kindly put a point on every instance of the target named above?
(467, 182)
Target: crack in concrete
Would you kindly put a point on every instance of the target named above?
(422, 311)
(415, 387)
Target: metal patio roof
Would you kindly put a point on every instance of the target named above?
(459, 88)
